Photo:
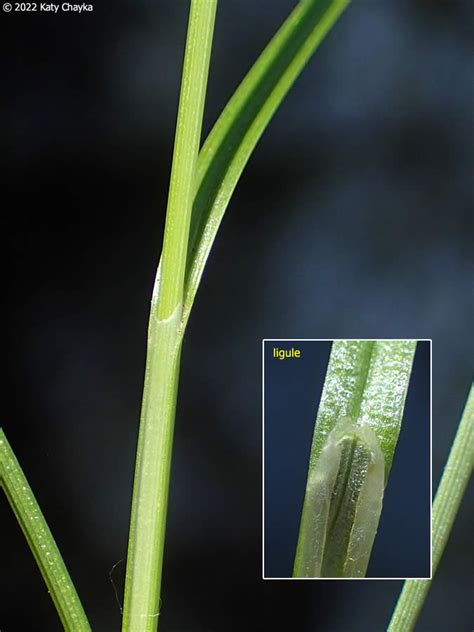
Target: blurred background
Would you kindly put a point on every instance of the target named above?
(292, 393)
(352, 220)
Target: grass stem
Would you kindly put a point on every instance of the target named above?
(150, 492)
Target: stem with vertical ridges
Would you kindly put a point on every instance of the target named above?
(150, 492)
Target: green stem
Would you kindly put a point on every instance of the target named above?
(150, 492)
(41, 542)
(457, 473)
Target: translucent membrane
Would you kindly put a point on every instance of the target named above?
(344, 502)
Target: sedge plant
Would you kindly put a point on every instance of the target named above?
(202, 182)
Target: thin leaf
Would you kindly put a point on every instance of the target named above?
(456, 475)
(243, 121)
(41, 542)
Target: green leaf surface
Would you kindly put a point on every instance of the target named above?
(366, 383)
(238, 129)
(453, 484)
(41, 542)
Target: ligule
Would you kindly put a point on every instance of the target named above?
(344, 496)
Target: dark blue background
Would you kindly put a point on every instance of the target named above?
(292, 392)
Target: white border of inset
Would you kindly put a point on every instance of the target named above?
(264, 340)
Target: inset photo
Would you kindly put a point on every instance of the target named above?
(346, 459)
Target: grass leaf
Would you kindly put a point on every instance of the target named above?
(41, 542)
(237, 131)
(456, 475)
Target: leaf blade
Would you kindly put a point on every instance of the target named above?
(234, 136)
(385, 392)
(40, 540)
(454, 481)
